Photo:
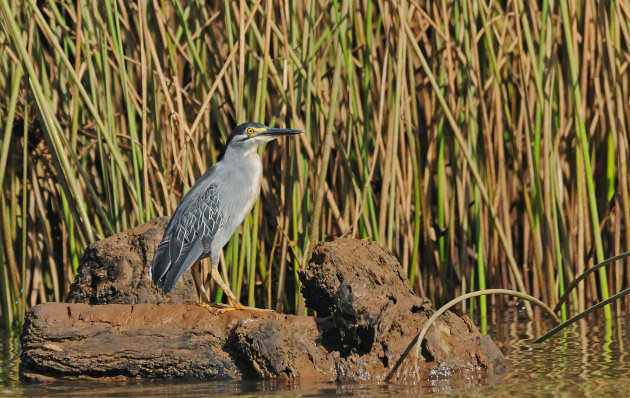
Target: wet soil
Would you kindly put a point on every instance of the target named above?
(365, 328)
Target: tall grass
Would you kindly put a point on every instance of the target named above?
(484, 143)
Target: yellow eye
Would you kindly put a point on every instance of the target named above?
(250, 131)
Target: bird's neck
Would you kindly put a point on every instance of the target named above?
(234, 154)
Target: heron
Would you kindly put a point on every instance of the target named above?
(213, 208)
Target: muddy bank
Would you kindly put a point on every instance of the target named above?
(367, 320)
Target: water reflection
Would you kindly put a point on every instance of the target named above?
(588, 359)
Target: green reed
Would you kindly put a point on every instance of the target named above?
(484, 143)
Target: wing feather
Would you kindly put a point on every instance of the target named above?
(159, 265)
(187, 238)
(192, 255)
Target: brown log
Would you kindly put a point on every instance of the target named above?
(368, 318)
(119, 341)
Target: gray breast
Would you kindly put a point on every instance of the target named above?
(238, 189)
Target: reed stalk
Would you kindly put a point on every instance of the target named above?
(444, 131)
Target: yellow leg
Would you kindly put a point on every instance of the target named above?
(231, 297)
(214, 273)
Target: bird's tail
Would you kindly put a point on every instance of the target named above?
(161, 263)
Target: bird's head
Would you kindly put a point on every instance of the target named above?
(248, 136)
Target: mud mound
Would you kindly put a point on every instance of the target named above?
(373, 317)
(115, 270)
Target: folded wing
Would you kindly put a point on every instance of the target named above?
(187, 238)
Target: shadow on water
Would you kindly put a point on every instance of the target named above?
(588, 359)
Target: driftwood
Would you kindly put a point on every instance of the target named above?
(367, 320)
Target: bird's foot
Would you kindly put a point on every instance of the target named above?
(240, 307)
(219, 308)
(213, 308)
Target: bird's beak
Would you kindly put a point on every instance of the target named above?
(278, 132)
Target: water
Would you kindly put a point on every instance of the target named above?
(589, 359)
